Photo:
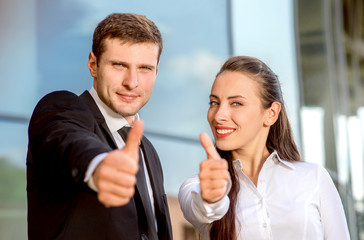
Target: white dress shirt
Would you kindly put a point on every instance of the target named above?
(114, 122)
(292, 201)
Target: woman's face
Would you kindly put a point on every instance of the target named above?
(236, 115)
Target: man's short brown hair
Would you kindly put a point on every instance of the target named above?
(128, 27)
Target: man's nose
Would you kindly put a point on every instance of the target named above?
(131, 79)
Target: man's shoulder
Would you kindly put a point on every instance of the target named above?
(59, 95)
(60, 106)
(62, 97)
(60, 101)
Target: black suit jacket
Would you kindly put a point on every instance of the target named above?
(66, 132)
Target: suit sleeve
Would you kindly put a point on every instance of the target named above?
(63, 136)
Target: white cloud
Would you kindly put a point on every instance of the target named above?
(201, 66)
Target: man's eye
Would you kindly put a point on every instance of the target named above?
(146, 68)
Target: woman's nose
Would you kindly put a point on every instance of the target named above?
(221, 114)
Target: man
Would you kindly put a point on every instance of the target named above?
(84, 180)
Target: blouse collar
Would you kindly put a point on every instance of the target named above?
(273, 159)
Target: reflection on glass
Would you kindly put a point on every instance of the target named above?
(355, 130)
(313, 134)
(51, 53)
(342, 150)
(12, 181)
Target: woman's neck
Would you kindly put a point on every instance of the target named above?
(252, 161)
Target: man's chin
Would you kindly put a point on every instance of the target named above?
(126, 112)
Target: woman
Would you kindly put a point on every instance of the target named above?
(255, 185)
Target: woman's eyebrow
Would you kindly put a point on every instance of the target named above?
(236, 96)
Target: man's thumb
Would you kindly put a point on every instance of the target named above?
(134, 137)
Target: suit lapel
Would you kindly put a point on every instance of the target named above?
(156, 180)
(153, 167)
(90, 102)
(142, 189)
(143, 192)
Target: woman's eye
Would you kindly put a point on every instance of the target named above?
(237, 104)
(213, 103)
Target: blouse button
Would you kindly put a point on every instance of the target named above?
(264, 225)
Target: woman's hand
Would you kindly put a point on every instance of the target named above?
(214, 175)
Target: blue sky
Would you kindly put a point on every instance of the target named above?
(50, 52)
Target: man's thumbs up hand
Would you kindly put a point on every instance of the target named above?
(115, 176)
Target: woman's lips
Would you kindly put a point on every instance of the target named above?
(224, 131)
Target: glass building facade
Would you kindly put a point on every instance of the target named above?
(315, 47)
(329, 36)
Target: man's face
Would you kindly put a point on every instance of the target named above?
(125, 74)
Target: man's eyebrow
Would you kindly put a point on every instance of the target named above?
(118, 61)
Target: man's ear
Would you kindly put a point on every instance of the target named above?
(92, 64)
(272, 114)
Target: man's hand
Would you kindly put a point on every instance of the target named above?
(115, 176)
(214, 175)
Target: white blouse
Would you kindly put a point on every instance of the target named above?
(292, 200)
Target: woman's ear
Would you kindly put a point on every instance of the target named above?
(272, 114)
(92, 64)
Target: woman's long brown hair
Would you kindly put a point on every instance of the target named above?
(280, 136)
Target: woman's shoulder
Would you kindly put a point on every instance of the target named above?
(301, 166)
(308, 165)
(312, 168)
(298, 165)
